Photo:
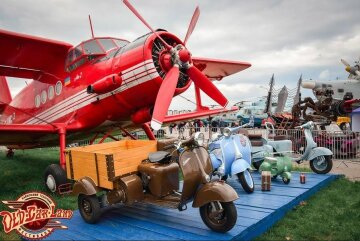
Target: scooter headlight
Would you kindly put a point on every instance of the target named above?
(199, 138)
(227, 132)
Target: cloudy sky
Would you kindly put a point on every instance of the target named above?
(287, 38)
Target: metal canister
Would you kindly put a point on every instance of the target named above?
(302, 178)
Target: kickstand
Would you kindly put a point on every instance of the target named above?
(342, 162)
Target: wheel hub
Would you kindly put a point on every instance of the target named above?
(51, 183)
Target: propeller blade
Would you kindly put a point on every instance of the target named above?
(192, 24)
(201, 81)
(344, 62)
(164, 96)
(137, 14)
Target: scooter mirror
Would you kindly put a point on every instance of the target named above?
(199, 138)
(227, 132)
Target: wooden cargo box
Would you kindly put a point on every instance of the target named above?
(104, 162)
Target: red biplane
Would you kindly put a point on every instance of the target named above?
(101, 84)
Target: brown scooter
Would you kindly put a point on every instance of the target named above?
(157, 182)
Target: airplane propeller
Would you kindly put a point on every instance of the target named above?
(352, 70)
(180, 58)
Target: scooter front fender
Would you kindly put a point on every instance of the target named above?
(239, 165)
(318, 151)
(214, 191)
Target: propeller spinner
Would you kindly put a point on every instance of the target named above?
(174, 58)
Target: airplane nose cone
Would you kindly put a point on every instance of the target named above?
(308, 84)
(184, 55)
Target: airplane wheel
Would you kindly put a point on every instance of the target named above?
(10, 154)
(219, 220)
(54, 176)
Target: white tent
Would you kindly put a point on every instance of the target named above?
(355, 120)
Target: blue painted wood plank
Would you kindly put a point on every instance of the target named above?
(256, 213)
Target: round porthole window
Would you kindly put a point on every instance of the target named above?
(58, 88)
(51, 92)
(43, 96)
(37, 100)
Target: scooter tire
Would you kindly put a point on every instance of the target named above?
(245, 185)
(257, 165)
(226, 221)
(328, 160)
(89, 207)
(286, 180)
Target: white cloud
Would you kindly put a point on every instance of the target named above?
(287, 38)
(324, 75)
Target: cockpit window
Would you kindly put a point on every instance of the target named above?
(92, 47)
(121, 43)
(107, 44)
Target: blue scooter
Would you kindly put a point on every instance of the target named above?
(230, 154)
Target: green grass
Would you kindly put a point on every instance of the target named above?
(331, 214)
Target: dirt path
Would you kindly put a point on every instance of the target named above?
(349, 168)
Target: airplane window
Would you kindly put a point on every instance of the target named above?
(58, 88)
(77, 52)
(107, 43)
(37, 100)
(51, 92)
(92, 47)
(43, 96)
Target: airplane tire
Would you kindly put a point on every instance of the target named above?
(54, 176)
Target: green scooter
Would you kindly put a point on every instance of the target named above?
(278, 166)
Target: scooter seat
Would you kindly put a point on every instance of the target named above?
(256, 143)
(254, 136)
(280, 138)
(158, 156)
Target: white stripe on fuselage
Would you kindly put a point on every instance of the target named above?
(131, 77)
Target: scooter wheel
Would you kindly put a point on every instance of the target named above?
(246, 180)
(257, 164)
(286, 180)
(219, 222)
(321, 164)
(89, 207)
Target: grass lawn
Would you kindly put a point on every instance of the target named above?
(332, 214)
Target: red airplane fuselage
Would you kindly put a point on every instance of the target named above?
(124, 80)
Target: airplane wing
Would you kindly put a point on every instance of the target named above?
(197, 114)
(26, 56)
(216, 69)
(25, 136)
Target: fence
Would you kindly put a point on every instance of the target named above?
(344, 145)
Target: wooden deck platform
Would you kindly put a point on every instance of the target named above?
(257, 212)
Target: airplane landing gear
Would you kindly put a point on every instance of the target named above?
(10, 153)
(54, 176)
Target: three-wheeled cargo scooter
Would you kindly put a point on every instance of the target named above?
(230, 154)
(156, 181)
